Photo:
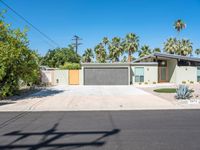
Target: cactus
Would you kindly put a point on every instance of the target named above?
(183, 92)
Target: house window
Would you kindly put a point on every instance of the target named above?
(198, 74)
(139, 74)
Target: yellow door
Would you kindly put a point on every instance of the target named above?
(73, 77)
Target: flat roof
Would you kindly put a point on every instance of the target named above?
(105, 64)
(117, 64)
(170, 56)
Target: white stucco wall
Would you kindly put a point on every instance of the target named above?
(186, 74)
(150, 74)
(61, 76)
(46, 77)
(81, 76)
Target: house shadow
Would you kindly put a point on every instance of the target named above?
(52, 138)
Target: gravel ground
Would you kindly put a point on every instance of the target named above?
(171, 96)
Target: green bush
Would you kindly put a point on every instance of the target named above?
(71, 66)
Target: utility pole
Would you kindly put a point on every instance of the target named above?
(76, 43)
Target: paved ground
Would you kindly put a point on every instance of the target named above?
(125, 130)
(72, 98)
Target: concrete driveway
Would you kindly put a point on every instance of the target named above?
(74, 98)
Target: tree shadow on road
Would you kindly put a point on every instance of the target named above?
(53, 139)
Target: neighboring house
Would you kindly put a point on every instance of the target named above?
(151, 69)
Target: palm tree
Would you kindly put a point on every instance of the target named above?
(100, 52)
(181, 47)
(179, 25)
(145, 50)
(88, 55)
(156, 50)
(197, 51)
(124, 59)
(115, 49)
(185, 47)
(131, 44)
(105, 41)
(171, 46)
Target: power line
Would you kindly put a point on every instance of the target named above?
(76, 44)
(28, 22)
(44, 39)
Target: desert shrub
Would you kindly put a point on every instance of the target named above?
(183, 82)
(191, 82)
(183, 92)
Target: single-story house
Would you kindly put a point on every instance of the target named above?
(170, 68)
(151, 69)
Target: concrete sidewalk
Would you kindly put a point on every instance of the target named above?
(84, 98)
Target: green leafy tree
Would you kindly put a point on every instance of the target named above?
(197, 52)
(58, 57)
(156, 50)
(100, 53)
(131, 44)
(115, 49)
(88, 55)
(145, 50)
(18, 64)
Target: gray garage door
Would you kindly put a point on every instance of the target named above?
(106, 76)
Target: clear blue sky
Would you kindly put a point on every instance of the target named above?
(151, 20)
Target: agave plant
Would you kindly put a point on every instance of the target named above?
(183, 92)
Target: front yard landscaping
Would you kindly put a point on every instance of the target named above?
(177, 94)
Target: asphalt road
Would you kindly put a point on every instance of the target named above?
(127, 130)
